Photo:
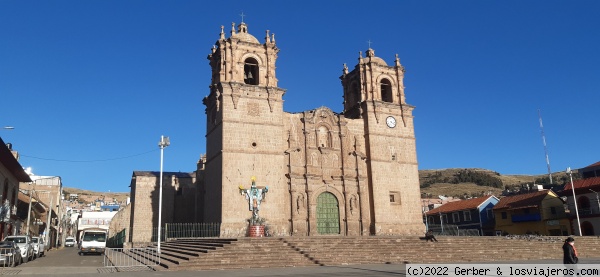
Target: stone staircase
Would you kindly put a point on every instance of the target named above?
(206, 254)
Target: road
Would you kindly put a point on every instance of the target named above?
(59, 261)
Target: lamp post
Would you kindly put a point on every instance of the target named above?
(164, 142)
(597, 199)
(574, 199)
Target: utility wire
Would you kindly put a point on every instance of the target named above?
(89, 161)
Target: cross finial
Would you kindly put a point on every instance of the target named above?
(369, 42)
(242, 15)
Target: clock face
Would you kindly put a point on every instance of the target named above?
(391, 121)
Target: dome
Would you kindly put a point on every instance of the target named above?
(374, 59)
(378, 60)
(245, 37)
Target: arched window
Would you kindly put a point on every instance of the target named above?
(251, 71)
(587, 229)
(583, 203)
(386, 91)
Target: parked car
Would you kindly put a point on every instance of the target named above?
(69, 242)
(10, 254)
(24, 243)
(38, 246)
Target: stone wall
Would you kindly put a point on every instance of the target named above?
(120, 222)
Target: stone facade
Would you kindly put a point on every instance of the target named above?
(349, 173)
(120, 223)
(178, 202)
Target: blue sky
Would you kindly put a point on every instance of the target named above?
(90, 86)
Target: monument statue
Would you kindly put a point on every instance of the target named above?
(254, 195)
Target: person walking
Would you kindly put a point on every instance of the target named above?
(570, 252)
(570, 257)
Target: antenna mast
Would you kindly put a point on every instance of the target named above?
(545, 147)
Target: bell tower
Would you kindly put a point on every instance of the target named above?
(374, 94)
(244, 130)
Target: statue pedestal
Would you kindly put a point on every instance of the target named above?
(256, 230)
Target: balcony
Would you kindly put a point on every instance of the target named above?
(525, 217)
(587, 211)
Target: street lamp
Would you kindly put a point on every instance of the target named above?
(8, 127)
(574, 199)
(164, 142)
(597, 199)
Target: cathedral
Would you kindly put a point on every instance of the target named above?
(353, 173)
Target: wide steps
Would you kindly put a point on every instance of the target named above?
(189, 254)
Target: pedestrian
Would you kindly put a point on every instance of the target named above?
(430, 237)
(570, 257)
(570, 252)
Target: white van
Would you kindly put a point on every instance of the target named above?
(92, 241)
(69, 242)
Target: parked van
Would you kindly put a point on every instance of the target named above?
(93, 241)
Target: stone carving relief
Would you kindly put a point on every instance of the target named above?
(353, 204)
(325, 162)
(253, 109)
(300, 203)
(323, 137)
(334, 160)
(314, 159)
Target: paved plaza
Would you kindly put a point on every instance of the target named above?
(66, 262)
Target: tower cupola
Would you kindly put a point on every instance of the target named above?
(372, 79)
(241, 58)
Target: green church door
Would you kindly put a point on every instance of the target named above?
(328, 214)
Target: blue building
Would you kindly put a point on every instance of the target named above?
(110, 208)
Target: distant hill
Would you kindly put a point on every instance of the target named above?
(461, 182)
(88, 196)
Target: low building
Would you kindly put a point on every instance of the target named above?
(472, 214)
(539, 212)
(588, 202)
